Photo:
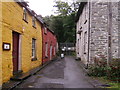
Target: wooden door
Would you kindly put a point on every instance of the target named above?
(15, 51)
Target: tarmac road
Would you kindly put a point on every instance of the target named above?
(64, 73)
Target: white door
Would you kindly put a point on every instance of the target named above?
(50, 52)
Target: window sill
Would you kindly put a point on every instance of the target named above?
(85, 22)
(45, 33)
(46, 56)
(34, 59)
(25, 20)
(34, 27)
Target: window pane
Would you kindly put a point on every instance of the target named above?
(33, 48)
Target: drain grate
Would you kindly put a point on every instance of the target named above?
(105, 85)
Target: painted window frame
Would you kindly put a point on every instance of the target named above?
(34, 49)
(45, 30)
(46, 50)
(34, 21)
(25, 15)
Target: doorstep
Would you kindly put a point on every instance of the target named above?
(21, 77)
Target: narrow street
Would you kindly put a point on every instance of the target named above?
(65, 73)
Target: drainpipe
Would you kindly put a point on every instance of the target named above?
(88, 36)
(109, 33)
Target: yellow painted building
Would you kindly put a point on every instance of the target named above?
(21, 39)
(0, 44)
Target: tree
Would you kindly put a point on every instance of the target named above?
(62, 8)
(64, 23)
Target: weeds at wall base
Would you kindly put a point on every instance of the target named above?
(111, 72)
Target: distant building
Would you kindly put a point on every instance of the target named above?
(97, 34)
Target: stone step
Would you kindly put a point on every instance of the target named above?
(21, 77)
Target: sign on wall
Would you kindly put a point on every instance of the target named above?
(6, 46)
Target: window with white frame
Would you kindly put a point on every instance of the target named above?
(45, 30)
(46, 49)
(33, 21)
(33, 48)
(25, 18)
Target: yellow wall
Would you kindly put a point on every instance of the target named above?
(13, 21)
(0, 44)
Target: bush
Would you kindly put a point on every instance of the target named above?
(100, 69)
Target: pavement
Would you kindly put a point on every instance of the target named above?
(61, 73)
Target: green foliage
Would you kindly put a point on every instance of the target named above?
(115, 85)
(100, 68)
(64, 23)
(62, 8)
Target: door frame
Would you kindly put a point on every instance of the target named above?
(20, 53)
(19, 65)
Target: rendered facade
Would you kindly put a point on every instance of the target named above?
(21, 40)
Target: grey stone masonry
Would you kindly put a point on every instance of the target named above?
(99, 28)
(103, 30)
(119, 29)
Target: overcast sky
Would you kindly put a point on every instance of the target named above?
(43, 7)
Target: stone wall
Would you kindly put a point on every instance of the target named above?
(103, 21)
(114, 30)
(100, 28)
(82, 37)
(119, 29)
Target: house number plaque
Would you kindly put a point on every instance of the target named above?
(6, 46)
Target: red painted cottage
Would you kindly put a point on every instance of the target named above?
(49, 44)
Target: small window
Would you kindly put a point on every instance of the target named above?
(34, 49)
(46, 49)
(45, 30)
(25, 18)
(33, 22)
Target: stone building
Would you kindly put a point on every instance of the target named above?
(98, 25)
